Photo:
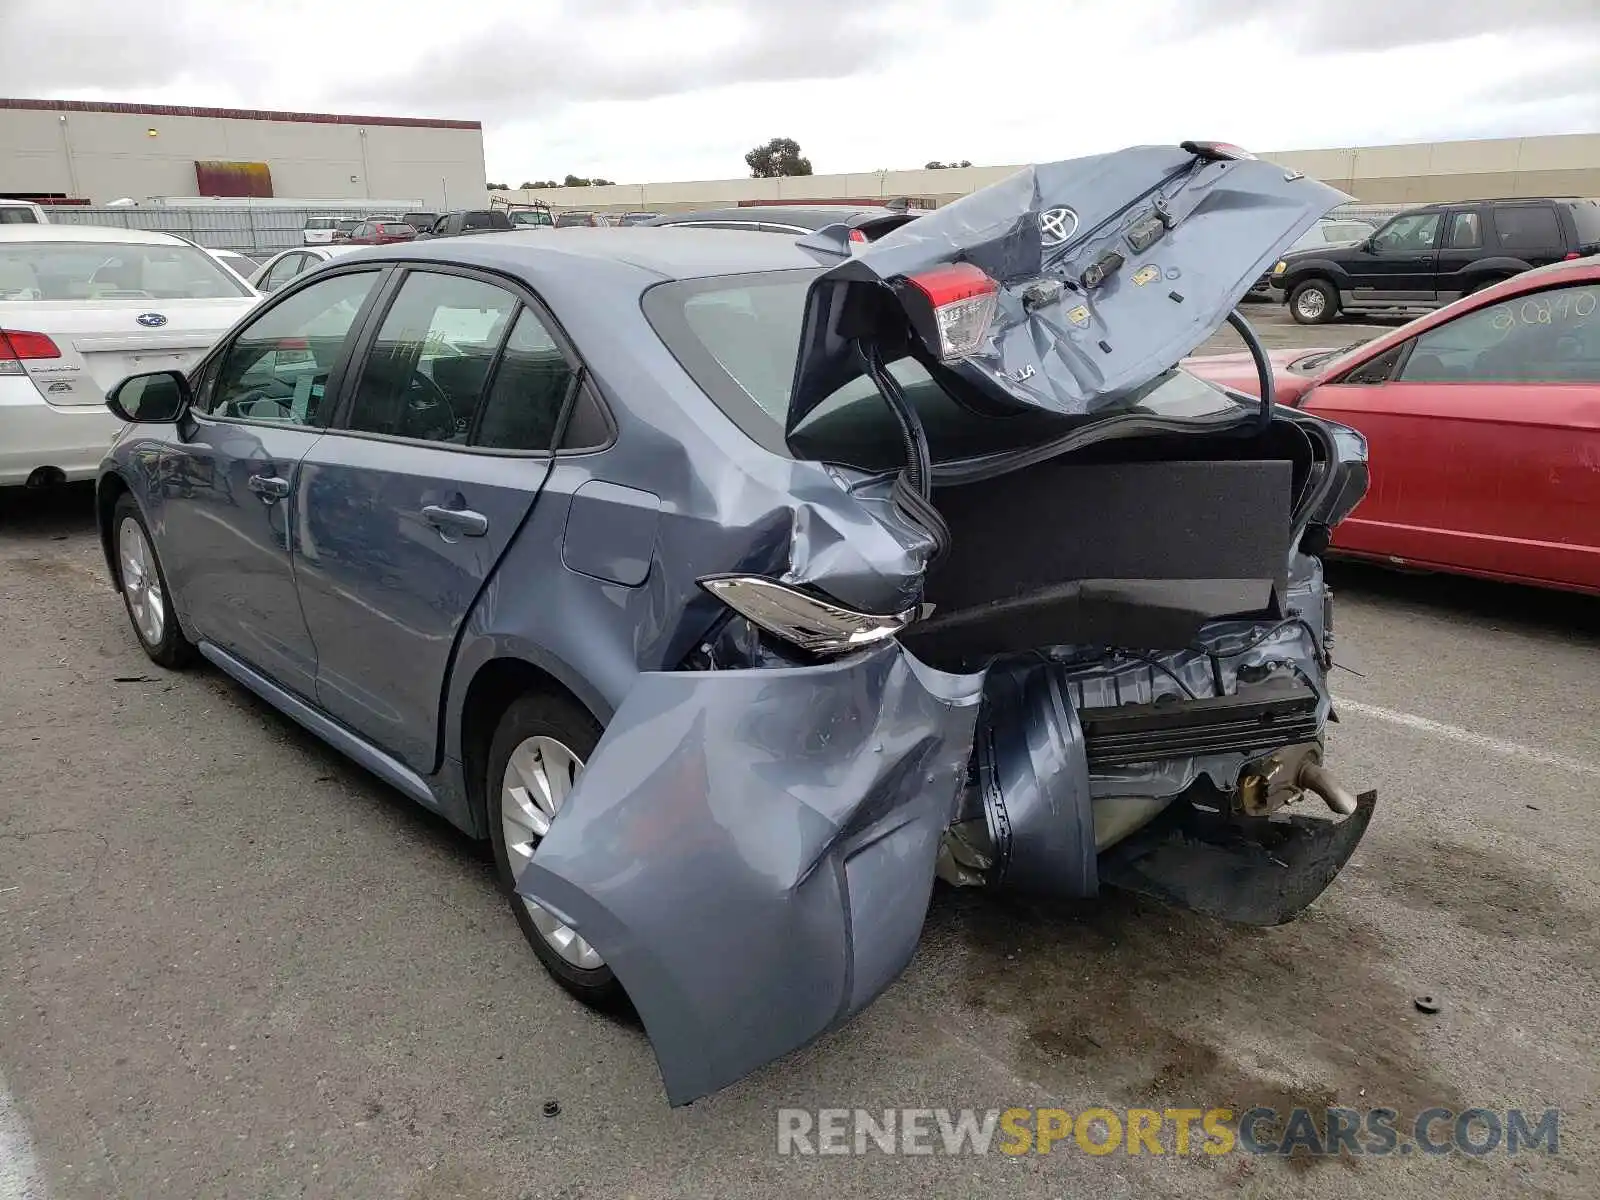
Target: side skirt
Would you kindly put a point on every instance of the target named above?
(363, 753)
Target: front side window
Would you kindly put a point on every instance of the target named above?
(1408, 233)
(277, 368)
(426, 372)
(1546, 337)
(112, 271)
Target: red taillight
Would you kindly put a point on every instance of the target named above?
(1571, 257)
(17, 345)
(963, 299)
(857, 236)
(946, 285)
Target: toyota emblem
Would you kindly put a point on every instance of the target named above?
(1056, 225)
(151, 320)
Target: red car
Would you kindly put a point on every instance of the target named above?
(1483, 428)
(382, 233)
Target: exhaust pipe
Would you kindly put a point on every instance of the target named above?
(1316, 778)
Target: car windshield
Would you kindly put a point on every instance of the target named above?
(112, 271)
(568, 219)
(739, 337)
(348, 226)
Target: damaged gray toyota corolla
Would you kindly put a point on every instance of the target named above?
(829, 574)
(1092, 650)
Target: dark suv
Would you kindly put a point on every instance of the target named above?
(1429, 256)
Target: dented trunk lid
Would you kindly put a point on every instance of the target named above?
(1105, 272)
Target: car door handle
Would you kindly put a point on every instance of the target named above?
(456, 520)
(269, 487)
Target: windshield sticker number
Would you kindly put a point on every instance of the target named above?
(1542, 310)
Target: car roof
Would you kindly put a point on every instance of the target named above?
(88, 233)
(812, 216)
(656, 253)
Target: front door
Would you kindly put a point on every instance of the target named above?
(441, 449)
(1400, 261)
(230, 514)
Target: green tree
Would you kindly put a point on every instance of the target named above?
(777, 158)
(500, 187)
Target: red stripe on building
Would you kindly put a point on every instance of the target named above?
(231, 114)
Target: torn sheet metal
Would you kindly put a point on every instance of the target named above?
(752, 851)
(1111, 268)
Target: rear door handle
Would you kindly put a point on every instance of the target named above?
(269, 487)
(456, 520)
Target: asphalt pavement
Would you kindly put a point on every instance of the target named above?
(233, 964)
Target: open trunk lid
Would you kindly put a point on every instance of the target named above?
(1063, 287)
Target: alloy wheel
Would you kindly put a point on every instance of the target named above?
(539, 777)
(141, 583)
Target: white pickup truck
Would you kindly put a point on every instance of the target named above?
(21, 212)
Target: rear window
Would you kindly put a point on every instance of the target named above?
(15, 214)
(738, 337)
(112, 271)
(1586, 216)
(568, 219)
(347, 226)
(321, 222)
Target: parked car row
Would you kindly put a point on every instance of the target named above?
(735, 585)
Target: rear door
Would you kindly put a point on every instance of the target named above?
(442, 446)
(1461, 248)
(1529, 232)
(1483, 443)
(229, 519)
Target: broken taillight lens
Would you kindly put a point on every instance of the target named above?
(801, 619)
(963, 300)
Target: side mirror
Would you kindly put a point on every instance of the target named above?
(156, 398)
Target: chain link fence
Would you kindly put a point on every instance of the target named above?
(253, 231)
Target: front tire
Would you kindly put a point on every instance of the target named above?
(538, 751)
(1314, 302)
(144, 589)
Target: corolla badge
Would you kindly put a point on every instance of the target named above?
(151, 320)
(1056, 225)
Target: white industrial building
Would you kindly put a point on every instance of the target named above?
(56, 150)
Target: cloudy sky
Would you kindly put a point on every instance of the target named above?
(637, 91)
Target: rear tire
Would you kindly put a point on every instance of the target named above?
(538, 750)
(1314, 302)
(144, 589)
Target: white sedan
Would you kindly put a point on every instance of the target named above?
(82, 306)
(282, 267)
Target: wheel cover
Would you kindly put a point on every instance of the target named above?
(141, 584)
(538, 779)
(1312, 303)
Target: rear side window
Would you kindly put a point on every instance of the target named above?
(12, 214)
(1527, 227)
(530, 389)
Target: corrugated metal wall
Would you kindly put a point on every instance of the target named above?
(249, 230)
